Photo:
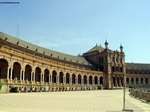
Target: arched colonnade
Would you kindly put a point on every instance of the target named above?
(15, 71)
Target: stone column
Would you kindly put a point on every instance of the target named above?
(82, 82)
(76, 80)
(93, 81)
(120, 84)
(7, 72)
(43, 77)
(49, 78)
(23, 74)
(64, 80)
(57, 79)
(143, 80)
(33, 76)
(129, 81)
(70, 80)
(87, 81)
(11, 70)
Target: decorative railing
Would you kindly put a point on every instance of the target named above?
(141, 93)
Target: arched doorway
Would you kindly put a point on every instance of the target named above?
(3, 69)
(137, 81)
(46, 75)
(61, 77)
(127, 80)
(16, 71)
(141, 80)
(146, 80)
(95, 80)
(132, 80)
(101, 80)
(90, 79)
(67, 78)
(54, 74)
(28, 70)
(85, 79)
(73, 78)
(38, 74)
(118, 81)
(114, 81)
(79, 79)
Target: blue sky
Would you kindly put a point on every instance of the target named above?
(75, 26)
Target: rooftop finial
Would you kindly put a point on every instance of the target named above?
(106, 44)
(121, 48)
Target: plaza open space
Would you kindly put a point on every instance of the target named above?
(70, 101)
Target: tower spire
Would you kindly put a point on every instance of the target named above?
(121, 48)
(106, 44)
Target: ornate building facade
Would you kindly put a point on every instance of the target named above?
(33, 68)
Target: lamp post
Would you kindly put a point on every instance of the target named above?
(124, 91)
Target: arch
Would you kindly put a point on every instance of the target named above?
(132, 80)
(46, 75)
(67, 78)
(54, 74)
(73, 78)
(114, 81)
(79, 79)
(28, 70)
(85, 79)
(16, 70)
(137, 81)
(122, 81)
(90, 79)
(37, 74)
(146, 80)
(118, 81)
(3, 68)
(127, 80)
(95, 80)
(61, 77)
(101, 80)
(141, 80)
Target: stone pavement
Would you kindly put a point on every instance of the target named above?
(70, 101)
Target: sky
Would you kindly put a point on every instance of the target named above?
(75, 26)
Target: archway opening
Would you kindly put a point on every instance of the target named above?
(16, 70)
(95, 80)
(3, 69)
(127, 80)
(90, 80)
(61, 77)
(85, 79)
(101, 80)
(73, 78)
(38, 74)
(67, 78)
(137, 81)
(146, 80)
(79, 79)
(114, 81)
(54, 73)
(132, 80)
(46, 75)
(28, 70)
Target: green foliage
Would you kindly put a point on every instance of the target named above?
(100, 87)
(14, 89)
(1, 85)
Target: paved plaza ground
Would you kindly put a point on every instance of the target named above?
(70, 101)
